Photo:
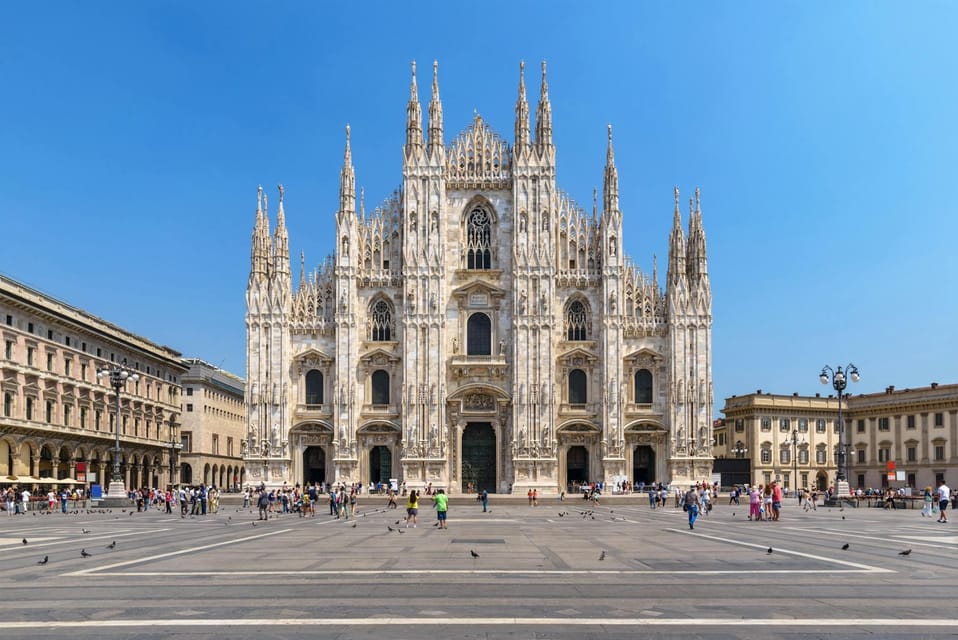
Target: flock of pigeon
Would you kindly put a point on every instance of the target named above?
(585, 514)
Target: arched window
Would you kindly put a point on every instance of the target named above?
(314, 387)
(381, 322)
(380, 385)
(478, 240)
(577, 389)
(577, 322)
(479, 335)
(643, 386)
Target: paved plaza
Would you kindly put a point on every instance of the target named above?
(621, 571)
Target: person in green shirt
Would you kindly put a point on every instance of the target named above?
(442, 504)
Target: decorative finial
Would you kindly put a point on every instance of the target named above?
(362, 202)
(610, 133)
(676, 191)
(259, 198)
(282, 192)
(347, 133)
(413, 69)
(595, 201)
(691, 209)
(698, 207)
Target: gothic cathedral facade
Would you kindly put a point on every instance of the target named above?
(478, 330)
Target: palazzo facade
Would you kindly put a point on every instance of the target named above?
(478, 329)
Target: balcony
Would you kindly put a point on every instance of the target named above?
(313, 411)
(380, 410)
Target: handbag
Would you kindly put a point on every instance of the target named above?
(685, 507)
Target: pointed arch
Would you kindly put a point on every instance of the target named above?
(382, 319)
(578, 326)
(479, 221)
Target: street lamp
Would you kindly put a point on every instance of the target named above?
(839, 382)
(740, 450)
(175, 447)
(118, 377)
(795, 443)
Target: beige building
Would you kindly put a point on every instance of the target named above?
(58, 417)
(479, 329)
(910, 433)
(213, 426)
(784, 437)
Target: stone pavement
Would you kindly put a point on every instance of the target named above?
(620, 571)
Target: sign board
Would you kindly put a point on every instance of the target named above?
(394, 484)
(96, 492)
(900, 475)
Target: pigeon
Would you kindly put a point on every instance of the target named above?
(85, 530)
(473, 553)
(561, 514)
(390, 528)
(400, 530)
(397, 522)
(906, 552)
(44, 561)
(843, 517)
(769, 550)
(25, 541)
(253, 523)
(112, 545)
(733, 514)
(845, 547)
(602, 555)
(84, 554)
(354, 525)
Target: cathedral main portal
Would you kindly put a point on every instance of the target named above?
(479, 457)
(314, 465)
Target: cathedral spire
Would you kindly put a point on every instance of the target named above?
(347, 181)
(522, 113)
(544, 116)
(413, 118)
(435, 113)
(676, 273)
(697, 256)
(302, 268)
(281, 239)
(610, 187)
(259, 260)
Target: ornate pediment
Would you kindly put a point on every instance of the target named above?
(312, 359)
(479, 294)
(644, 357)
(379, 357)
(578, 358)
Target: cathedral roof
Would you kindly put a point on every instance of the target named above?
(479, 158)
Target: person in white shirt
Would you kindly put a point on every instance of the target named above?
(944, 495)
(25, 497)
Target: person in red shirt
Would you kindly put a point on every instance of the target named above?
(776, 500)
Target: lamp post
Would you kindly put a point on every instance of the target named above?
(118, 377)
(795, 443)
(175, 447)
(740, 450)
(839, 382)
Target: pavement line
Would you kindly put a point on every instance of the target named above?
(497, 572)
(862, 567)
(934, 545)
(488, 622)
(73, 539)
(151, 558)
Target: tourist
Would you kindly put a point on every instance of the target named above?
(412, 509)
(263, 504)
(776, 500)
(944, 495)
(755, 504)
(442, 503)
(691, 505)
(484, 498)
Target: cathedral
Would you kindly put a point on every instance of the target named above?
(479, 329)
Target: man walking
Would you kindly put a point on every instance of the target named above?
(692, 506)
(484, 497)
(944, 495)
(263, 504)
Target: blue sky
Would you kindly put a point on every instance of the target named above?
(822, 135)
